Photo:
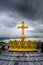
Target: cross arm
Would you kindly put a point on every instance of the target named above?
(19, 27)
(26, 27)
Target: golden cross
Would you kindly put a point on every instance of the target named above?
(22, 27)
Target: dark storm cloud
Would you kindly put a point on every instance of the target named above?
(32, 9)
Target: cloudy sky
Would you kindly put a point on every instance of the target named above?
(13, 12)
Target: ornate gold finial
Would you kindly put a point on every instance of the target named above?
(22, 45)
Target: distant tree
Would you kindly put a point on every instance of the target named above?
(3, 47)
(0, 51)
(42, 47)
(2, 44)
(39, 44)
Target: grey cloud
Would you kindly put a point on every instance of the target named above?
(14, 11)
(32, 9)
(10, 24)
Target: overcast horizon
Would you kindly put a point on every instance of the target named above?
(13, 12)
